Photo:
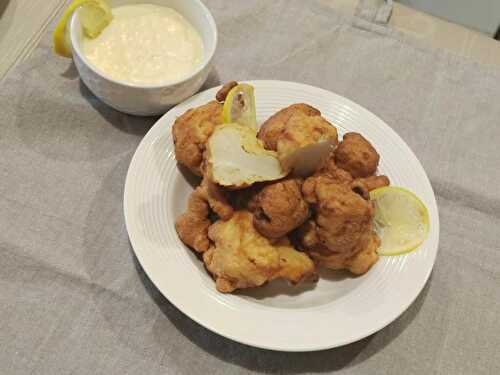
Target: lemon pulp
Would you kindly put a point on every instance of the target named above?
(239, 106)
(401, 220)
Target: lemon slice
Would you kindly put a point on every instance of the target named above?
(239, 106)
(401, 220)
(94, 17)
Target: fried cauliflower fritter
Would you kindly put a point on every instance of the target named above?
(235, 158)
(191, 131)
(217, 199)
(192, 226)
(307, 237)
(340, 235)
(295, 266)
(279, 208)
(242, 258)
(303, 131)
(309, 240)
(359, 263)
(330, 169)
(356, 155)
(342, 216)
(375, 182)
(272, 128)
(224, 90)
(366, 257)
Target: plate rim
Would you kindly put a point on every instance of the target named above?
(145, 141)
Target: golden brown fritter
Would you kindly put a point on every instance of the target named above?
(309, 240)
(224, 90)
(375, 182)
(345, 239)
(306, 236)
(329, 259)
(357, 262)
(356, 155)
(242, 258)
(271, 129)
(295, 266)
(192, 226)
(301, 131)
(217, 199)
(330, 169)
(342, 216)
(366, 257)
(279, 208)
(191, 131)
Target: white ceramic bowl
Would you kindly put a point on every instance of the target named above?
(145, 100)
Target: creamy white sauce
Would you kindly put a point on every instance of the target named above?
(146, 44)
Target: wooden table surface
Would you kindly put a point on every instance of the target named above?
(22, 23)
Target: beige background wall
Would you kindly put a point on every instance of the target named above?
(482, 15)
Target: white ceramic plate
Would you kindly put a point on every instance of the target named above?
(338, 309)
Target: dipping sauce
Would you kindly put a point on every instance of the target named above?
(146, 44)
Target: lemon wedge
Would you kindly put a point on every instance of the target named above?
(95, 15)
(239, 106)
(401, 220)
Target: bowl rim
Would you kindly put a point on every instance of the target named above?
(206, 61)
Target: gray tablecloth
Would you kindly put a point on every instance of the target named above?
(73, 299)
